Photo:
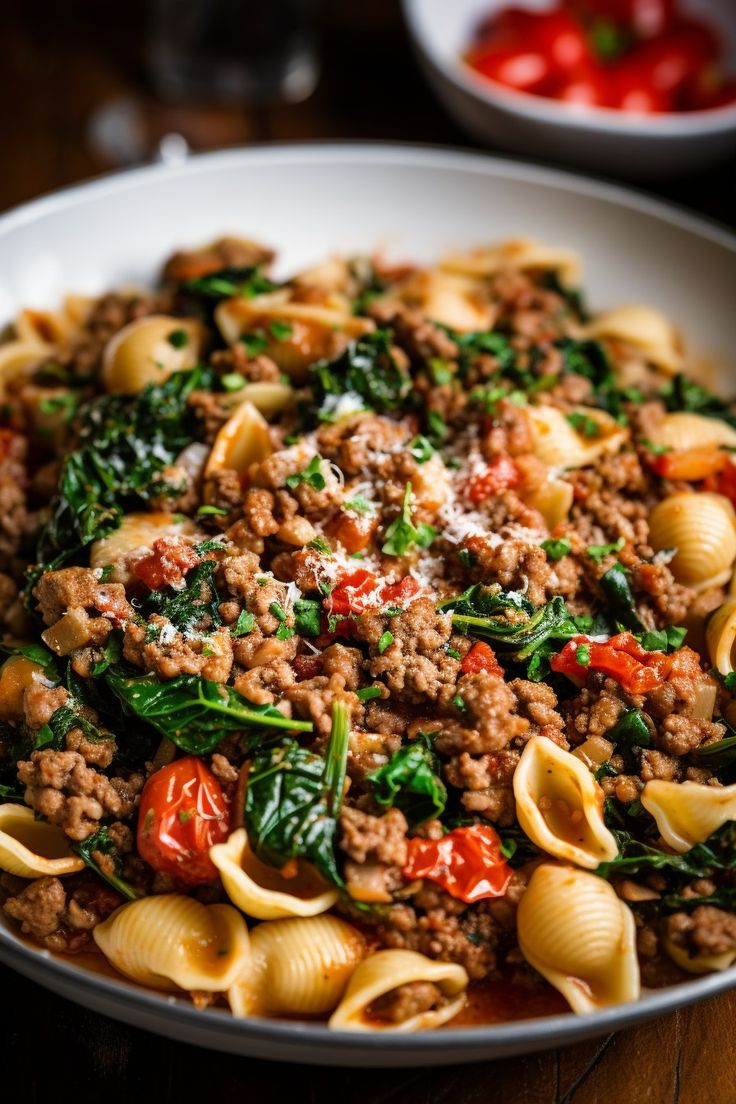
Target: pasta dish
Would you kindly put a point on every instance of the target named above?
(368, 645)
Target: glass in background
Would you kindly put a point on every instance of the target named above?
(252, 52)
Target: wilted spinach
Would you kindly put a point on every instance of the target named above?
(195, 713)
(617, 589)
(196, 602)
(365, 370)
(479, 611)
(293, 801)
(101, 842)
(410, 781)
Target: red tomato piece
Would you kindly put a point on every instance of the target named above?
(646, 18)
(561, 39)
(588, 86)
(525, 70)
(182, 813)
(500, 474)
(467, 863)
(622, 657)
(353, 531)
(395, 594)
(481, 657)
(167, 563)
(352, 594)
(724, 483)
(691, 465)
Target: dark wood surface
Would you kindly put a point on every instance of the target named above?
(58, 64)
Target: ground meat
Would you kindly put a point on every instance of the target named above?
(210, 413)
(406, 1002)
(679, 735)
(258, 511)
(41, 701)
(226, 252)
(490, 719)
(536, 702)
(596, 709)
(157, 647)
(224, 489)
(96, 753)
(369, 445)
(267, 683)
(313, 699)
(510, 432)
(259, 591)
(61, 787)
(364, 837)
(59, 919)
(223, 769)
(79, 587)
(258, 369)
(514, 564)
(413, 331)
(486, 781)
(388, 717)
(444, 928)
(13, 486)
(415, 666)
(705, 930)
(346, 662)
(273, 472)
(655, 764)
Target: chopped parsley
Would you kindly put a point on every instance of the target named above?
(319, 544)
(360, 505)
(312, 475)
(556, 549)
(368, 693)
(440, 371)
(178, 338)
(582, 655)
(233, 381)
(655, 449)
(421, 449)
(244, 624)
(436, 427)
(254, 342)
(205, 511)
(402, 533)
(459, 702)
(583, 424)
(281, 331)
(598, 552)
(385, 642)
(308, 616)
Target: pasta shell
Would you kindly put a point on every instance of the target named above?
(17, 359)
(31, 848)
(575, 932)
(683, 431)
(263, 892)
(650, 331)
(385, 971)
(702, 529)
(138, 530)
(268, 398)
(143, 353)
(452, 299)
(43, 326)
(697, 964)
(300, 967)
(559, 805)
(243, 440)
(720, 636)
(553, 500)
(309, 328)
(174, 942)
(522, 253)
(688, 812)
(559, 445)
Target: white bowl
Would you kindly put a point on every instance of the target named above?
(417, 203)
(634, 146)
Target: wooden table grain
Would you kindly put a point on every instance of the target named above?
(58, 63)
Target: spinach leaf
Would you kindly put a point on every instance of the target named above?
(682, 393)
(367, 371)
(101, 842)
(61, 722)
(410, 781)
(588, 359)
(716, 756)
(125, 442)
(308, 616)
(717, 853)
(245, 281)
(197, 602)
(723, 898)
(476, 343)
(14, 746)
(478, 612)
(556, 549)
(293, 801)
(617, 589)
(402, 533)
(194, 712)
(631, 730)
(662, 640)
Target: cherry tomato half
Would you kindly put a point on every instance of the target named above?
(525, 70)
(467, 863)
(481, 657)
(182, 813)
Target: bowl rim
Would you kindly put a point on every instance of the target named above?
(543, 109)
(216, 1027)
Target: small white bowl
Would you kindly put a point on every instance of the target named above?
(634, 146)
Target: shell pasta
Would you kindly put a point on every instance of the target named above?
(368, 639)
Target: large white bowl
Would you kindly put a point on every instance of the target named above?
(416, 203)
(632, 146)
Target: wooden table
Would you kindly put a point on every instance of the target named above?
(57, 64)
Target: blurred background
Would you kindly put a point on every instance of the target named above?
(89, 88)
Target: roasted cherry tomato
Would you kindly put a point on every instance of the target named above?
(352, 594)
(395, 594)
(499, 475)
(467, 863)
(561, 39)
(691, 465)
(525, 70)
(724, 482)
(586, 85)
(481, 657)
(666, 64)
(182, 813)
(167, 563)
(645, 18)
(636, 670)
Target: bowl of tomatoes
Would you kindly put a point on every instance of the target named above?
(638, 88)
